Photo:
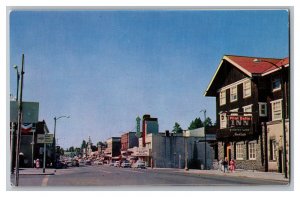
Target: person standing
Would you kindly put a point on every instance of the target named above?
(220, 165)
(232, 165)
(225, 164)
(37, 164)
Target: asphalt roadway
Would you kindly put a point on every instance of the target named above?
(129, 178)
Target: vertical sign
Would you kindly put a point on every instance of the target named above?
(138, 123)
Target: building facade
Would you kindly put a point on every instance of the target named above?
(128, 140)
(180, 150)
(249, 94)
(149, 125)
(113, 147)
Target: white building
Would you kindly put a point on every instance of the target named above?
(172, 151)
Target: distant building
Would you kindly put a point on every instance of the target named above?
(101, 148)
(113, 149)
(128, 140)
(164, 150)
(149, 125)
(29, 148)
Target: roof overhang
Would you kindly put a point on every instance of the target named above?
(221, 63)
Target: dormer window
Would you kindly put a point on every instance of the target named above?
(276, 85)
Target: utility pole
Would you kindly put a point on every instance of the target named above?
(186, 154)
(20, 111)
(204, 124)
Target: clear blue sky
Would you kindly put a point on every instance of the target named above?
(105, 68)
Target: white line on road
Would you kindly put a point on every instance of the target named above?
(105, 171)
(132, 171)
(45, 181)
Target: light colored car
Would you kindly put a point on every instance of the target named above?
(126, 164)
(112, 164)
(117, 164)
(139, 164)
(81, 163)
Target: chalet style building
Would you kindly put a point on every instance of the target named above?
(252, 105)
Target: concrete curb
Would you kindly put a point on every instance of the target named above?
(36, 172)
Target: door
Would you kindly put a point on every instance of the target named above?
(227, 151)
(280, 161)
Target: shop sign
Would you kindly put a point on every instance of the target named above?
(142, 152)
(45, 138)
(238, 126)
(239, 121)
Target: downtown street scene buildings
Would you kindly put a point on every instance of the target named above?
(152, 97)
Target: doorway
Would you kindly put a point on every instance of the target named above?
(227, 151)
(280, 161)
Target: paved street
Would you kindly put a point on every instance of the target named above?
(113, 176)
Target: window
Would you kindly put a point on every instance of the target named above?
(248, 109)
(262, 109)
(276, 84)
(252, 150)
(239, 151)
(233, 94)
(223, 97)
(276, 110)
(223, 121)
(247, 89)
(272, 149)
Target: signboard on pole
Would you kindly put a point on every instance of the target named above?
(44, 138)
(30, 112)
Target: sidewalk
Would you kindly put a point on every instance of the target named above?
(242, 173)
(237, 173)
(34, 171)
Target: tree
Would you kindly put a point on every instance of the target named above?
(83, 144)
(177, 128)
(208, 122)
(77, 150)
(71, 149)
(61, 151)
(195, 124)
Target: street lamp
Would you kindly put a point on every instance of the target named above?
(14, 125)
(282, 109)
(18, 81)
(204, 124)
(54, 139)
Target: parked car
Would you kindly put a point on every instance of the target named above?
(61, 164)
(117, 164)
(75, 163)
(88, 162)
(126, 164)
(139, 164)
(81, 163)
(112, 164)
(69, 164)
(98, 162)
